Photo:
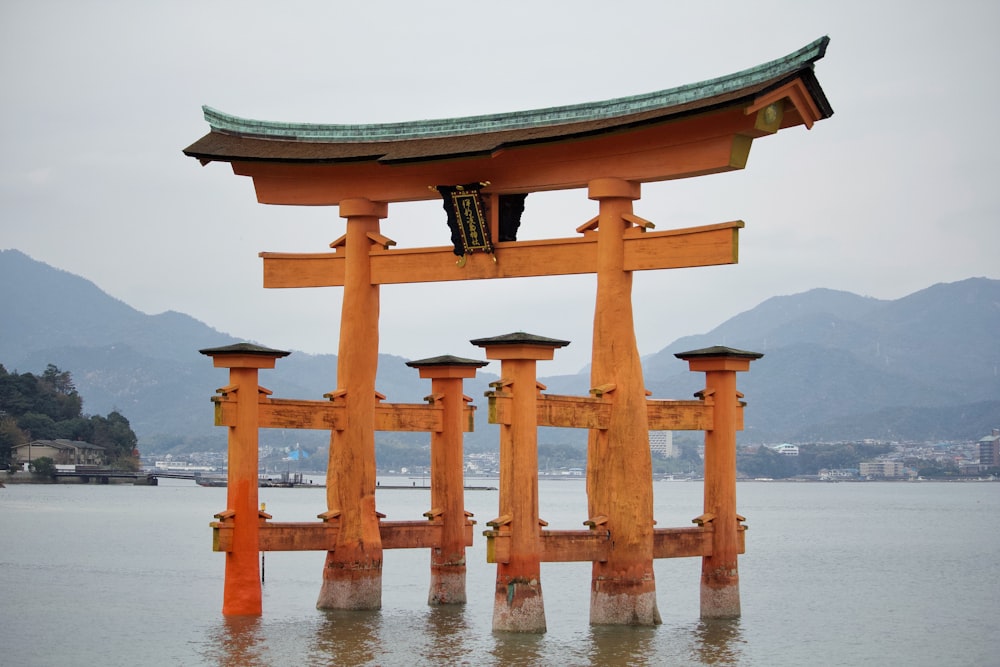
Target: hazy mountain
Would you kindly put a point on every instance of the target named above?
(148, 366)
(836, 365)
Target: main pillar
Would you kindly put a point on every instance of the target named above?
(447, 475)
(241, 591)
(517, 602)
(352, 574)
(619, 464)
(720, 579)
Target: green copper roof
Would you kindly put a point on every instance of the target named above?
(519, 120)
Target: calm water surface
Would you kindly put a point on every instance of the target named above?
(835, 574)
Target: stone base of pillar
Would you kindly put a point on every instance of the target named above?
(353, 586)
(518, 607)
(447, 585)
(623, 604)
(720, 601)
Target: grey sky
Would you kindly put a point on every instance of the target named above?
(895, 192)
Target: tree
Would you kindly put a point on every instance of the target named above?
(10, 436)
(43, 466)
(115, 434)
(48, 407)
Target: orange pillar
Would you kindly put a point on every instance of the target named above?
(352, 575)
(241, 591)
(720, 579)
(517, 603)
(447, 475)
(619, 464)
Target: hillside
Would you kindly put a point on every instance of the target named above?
(836, 365)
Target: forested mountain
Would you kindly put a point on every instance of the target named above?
(836, 365)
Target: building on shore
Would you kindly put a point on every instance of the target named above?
(61, 450)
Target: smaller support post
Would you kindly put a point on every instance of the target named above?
(447, 476)
(720, 580)
(517, 604)
(241, 591)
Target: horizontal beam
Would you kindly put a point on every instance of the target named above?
(595, 413)
(708, 245)
(666, 415)
(322, 536)
(329, 415)
(564, 546)
(707, 144)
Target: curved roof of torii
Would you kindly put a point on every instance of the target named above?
(234, 139)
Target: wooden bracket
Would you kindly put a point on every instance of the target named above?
(603, 389)
(705, 518)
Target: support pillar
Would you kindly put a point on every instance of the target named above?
(242, 590)
(517, 603)
(720, 579)
(619, 464)
(447, 475)
(352, 574)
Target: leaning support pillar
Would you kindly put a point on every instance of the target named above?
(352, 574)
(720, 579)
(241, 591)
(619, 464)
(447, 475)
(517, 602)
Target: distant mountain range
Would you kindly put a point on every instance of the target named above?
(837, 366)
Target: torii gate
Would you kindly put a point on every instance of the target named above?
(610, 148)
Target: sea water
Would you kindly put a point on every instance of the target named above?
(900, 573)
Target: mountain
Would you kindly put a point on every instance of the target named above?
(841, 366)
(836, 366)
(148, 366)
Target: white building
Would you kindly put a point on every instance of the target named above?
(662, 443)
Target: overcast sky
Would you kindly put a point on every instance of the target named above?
(896, 192)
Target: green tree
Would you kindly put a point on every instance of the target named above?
(115, 434)
(43, 466)
(48, 407)
(38, 426)
(10, 436)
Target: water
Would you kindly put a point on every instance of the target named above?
(834, 574)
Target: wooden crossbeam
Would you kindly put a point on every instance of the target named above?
(329, 415)
(322, 535)
(563, 546)
(595, 413)
(708, 245)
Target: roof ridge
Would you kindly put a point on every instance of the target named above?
(796, 61)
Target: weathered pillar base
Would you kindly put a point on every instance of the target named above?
(447, 585)
(351, 586)
(720, 599)
(518, 607)
(623, 603)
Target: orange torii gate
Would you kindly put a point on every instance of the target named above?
(610, 148)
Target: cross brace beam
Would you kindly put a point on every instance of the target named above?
(708, 245)
(564, 546)
(322, 536)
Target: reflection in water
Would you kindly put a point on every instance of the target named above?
(719, 641)
(348, 638)
(447, 634)
(237, 642)
(520, 649)
(616, 645)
